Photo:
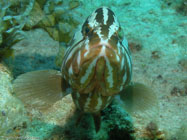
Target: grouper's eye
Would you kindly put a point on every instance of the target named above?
(87, 31)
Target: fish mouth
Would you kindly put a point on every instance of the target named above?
(101, 49)
(105, 50)
(102, 45)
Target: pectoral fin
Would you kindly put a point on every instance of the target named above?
(40, 89)
(137, 97)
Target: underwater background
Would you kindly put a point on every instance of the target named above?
(34, 35)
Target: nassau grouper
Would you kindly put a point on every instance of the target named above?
(96, 67)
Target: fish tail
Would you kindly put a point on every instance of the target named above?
(97, 121)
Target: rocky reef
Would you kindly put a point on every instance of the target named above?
(13, 117)
(53, 16)
(35, 33)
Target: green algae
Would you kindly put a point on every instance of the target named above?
(17, 16)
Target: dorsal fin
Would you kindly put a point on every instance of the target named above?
(39, 89)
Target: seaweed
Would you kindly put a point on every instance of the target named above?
(12, 18)
(9, 39)
(19, 16)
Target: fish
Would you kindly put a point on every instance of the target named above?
(96, 68)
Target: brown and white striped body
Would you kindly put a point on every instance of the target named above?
(97, 65)
(92, 102)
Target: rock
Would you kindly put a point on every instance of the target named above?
(53, 32)
(156, 54)
(12, 112)
(182, 8)
(41, 3)
(64, 32)
(74, 4)
(35, 52)
(180, 5)
(183, 63)
(36, 15)
(135, 47)
(60, 55)
(47, 21)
